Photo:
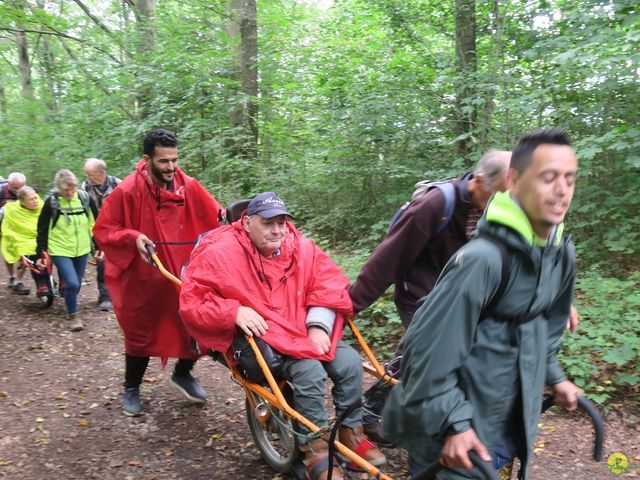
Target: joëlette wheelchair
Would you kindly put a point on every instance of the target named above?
(42, 278)
(273, 421)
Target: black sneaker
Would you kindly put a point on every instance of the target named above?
(131, 402)
(20, 289)
(12, 283)
(189, 387)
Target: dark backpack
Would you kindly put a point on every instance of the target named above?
(53, 200)
(421, 189)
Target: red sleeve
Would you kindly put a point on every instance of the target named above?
(117, 242)
(328, 287)
(207, 316)
(208, 207)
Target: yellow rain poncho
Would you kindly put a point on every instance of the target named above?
(19, 231)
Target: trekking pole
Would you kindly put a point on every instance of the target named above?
(486, 468)
(155, 262)
(591, 410)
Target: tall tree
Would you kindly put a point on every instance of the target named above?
(24, 63)
(243, 22)
(144, 11)
(466, 62)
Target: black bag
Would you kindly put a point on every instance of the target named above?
(247, 362)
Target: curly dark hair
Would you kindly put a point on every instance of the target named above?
(158, 136)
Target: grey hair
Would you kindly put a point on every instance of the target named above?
(65, 178)
(492, 167)
(17, 177)
(23, 192)
(100, 164)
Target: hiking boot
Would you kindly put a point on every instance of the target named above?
(316, 461)
(12, 283)
(131, 405)
(75, 324)
(105, 306)
(354, 439)
(373, 433)
(20, 289)
(189, 387)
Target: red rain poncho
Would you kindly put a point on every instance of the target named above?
(226, 271)
(145, 302)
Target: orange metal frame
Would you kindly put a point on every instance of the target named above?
(276, 399)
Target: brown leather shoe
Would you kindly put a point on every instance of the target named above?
(355, 439)
(74, 322)
(373, 433)
(316, 461)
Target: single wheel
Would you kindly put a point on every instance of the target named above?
(277, 444)
(48, 299)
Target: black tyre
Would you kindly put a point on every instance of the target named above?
(276, 441)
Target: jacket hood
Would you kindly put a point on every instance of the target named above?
(164, 197)
(504, 210)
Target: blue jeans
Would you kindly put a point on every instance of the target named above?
(71, 270)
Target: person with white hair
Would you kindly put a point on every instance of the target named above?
(99, 184)
(19, 230)
(9, 193)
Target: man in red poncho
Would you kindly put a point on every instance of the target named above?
(157, 205)
(262, 277)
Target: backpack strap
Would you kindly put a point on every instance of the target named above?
(53, 200)
(449, 192)
(505, 269)
(513, 320)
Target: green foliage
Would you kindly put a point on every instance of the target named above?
(379, 324)
(603, 356)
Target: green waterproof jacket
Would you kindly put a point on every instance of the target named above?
(468, 367)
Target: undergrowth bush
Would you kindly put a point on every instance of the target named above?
(603, 355)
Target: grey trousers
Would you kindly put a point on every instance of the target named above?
(308, 378)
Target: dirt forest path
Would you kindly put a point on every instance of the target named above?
(60, 415)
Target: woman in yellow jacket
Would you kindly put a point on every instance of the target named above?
(64, 232)
(19, 230)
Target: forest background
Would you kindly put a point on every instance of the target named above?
(341, 106)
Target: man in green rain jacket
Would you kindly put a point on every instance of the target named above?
(473, 376)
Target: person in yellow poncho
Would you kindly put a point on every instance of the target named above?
(19, 232)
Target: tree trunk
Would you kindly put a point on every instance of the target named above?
(243, 117)
(249, 73)
(25, 64)
(466, 111)
(48, 64)
(3, 97)
(145, 46)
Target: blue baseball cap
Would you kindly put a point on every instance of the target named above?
(267, 205)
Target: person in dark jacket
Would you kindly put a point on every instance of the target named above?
(473, 378)
(411, 256)
(99, 184)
